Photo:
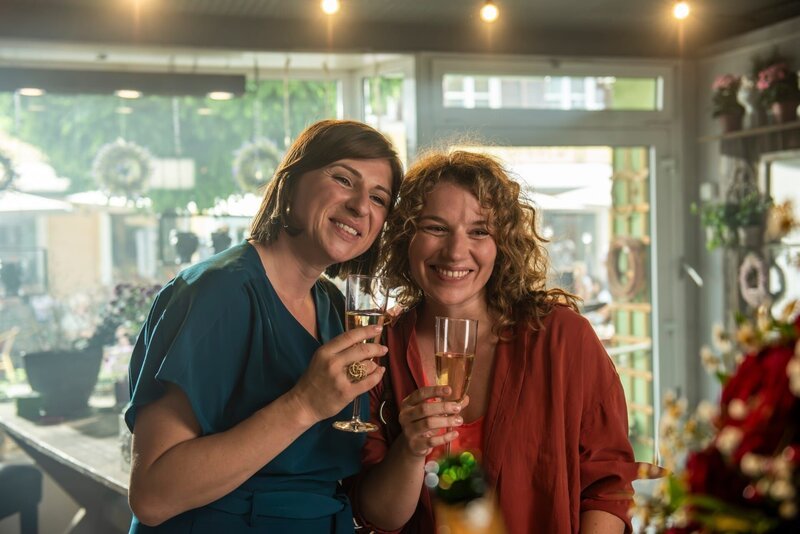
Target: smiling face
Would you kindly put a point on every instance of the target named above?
(340, 209)
(452, 253)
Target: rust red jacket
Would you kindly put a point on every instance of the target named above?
(555, 432)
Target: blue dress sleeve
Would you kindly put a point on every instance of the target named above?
(196, 337)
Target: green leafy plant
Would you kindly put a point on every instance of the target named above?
(752, 209)
(722, 219)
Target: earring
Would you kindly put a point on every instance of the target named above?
(286, 214)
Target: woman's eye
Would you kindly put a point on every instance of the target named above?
(341, 179)
(379, 200)
(481, 232)
(434, 229)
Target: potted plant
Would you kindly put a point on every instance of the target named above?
(778, 89)
(735, 222)
(719, 220)
(725, 104)
(70, 339)
(751, 216)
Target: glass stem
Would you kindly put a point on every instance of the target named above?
(357, 409)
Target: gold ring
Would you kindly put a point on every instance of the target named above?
(357, 371)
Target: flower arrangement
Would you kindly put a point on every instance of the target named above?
(742, 464)
(129, 307)
(463, 503)
(778, 83)
(724, 100)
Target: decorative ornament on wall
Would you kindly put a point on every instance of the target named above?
(626, 283)
(7, 172)
(255, 163)
(122, 167)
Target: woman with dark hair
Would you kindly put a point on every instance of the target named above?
(546, 412)
(242, 366)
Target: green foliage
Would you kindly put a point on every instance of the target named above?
(722, 219)
(72, 128)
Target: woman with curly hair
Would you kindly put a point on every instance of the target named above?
(546, 411)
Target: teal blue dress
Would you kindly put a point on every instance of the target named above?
(220, 333)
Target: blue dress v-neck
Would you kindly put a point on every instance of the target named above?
(220, 332)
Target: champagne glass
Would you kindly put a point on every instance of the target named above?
(454, 356)
(365, 304)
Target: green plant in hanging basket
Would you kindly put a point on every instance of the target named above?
(720, 222)
(122, 168)
(255, 163)
(752, 209)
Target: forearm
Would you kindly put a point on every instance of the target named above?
(389, 491)
(600, 522)
(201, 470)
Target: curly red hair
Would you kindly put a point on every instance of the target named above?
(517, 289)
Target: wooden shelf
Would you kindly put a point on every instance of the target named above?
(752, 132)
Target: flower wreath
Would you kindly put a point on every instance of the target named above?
(122, 167)
(7, 172)
(255, 163)
(753, 269)
(634, 276)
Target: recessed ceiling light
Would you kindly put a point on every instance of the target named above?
(220, 95)
(30, 91)
(329, 7)
(489, 11)
(681, 10)
(128, 93)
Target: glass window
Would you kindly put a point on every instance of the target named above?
(551, 92)
(594, 210)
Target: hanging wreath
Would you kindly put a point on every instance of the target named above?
(7, 172)
(255, 163)
(753, 280)
(122, 167)
(625, 285)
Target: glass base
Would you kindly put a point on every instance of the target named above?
(355, 425)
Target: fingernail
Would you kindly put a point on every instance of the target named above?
(458, 420)
(384, 349)
(456, 408)
(377, 328)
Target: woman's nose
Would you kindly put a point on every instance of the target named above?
(358, 203)
(456, 246)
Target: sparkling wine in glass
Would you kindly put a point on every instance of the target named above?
(365, 304)
(454, 356)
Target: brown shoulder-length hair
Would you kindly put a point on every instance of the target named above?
(517, 289)
(319, 145)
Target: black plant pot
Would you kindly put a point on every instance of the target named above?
(220, 241)
(186, 245)
(64, 378)
(11, 276)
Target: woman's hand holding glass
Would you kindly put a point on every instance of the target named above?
(326, 388)
(425, 414)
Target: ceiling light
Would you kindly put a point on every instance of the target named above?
(220, 95)
(128, 93)
(489, 11)
(681, 10)
(31, 91)
(329, 7)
